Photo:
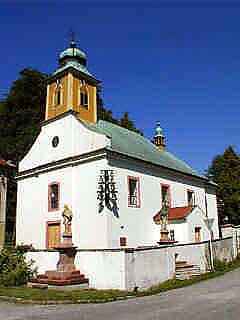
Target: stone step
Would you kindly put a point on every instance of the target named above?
(185, 270)
(186, 266)
(178, 262)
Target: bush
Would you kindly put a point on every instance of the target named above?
(14, 270)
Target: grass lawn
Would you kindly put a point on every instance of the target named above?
(26, 294)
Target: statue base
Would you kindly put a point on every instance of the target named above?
(164, 238)
(66, 273)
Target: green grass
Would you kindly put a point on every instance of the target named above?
(87, 296)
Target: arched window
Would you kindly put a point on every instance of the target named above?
(58, 97)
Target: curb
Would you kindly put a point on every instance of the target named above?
(52, 302)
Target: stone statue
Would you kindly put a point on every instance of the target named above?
(67, 219)
(164, 216)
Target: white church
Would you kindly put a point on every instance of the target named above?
(113, 180)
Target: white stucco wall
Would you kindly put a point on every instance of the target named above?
(212, 209)
(115, 269)
(145, 268)
(42, 261)
(74, 139)
(142, 268)
(197, 219)
(180, 231)
(194, 253)
(78, 189)
(137, 223)
(104, 269)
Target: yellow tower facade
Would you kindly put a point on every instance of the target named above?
(72, 87)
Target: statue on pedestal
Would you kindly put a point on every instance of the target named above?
(164, 221)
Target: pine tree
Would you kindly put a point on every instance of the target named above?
(225, 171)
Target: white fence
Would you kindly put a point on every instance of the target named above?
(127, 268)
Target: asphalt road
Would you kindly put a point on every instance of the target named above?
(214, 299)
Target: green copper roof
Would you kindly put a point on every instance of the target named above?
(72, 52)
(74, 58)
(75, 65)
(134, 145)
(159, 130)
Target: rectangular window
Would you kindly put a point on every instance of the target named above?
(165, 194)
(133, 192)
(190, 198)
(53, 196)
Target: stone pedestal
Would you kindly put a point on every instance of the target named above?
(65, 273)
(165, 239)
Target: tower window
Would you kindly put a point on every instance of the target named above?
(84, 99)
(53, 196)
(190, 198)
(165, 194)
(58, 97)
(133, 192)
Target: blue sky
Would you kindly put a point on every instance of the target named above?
(173, 61)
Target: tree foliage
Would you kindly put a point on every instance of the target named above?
(21, 114)
(225, 171)
(106, 114)
(14, 270)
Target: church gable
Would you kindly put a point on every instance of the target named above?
(62, 138)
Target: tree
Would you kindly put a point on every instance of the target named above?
(225, 171)
(127, 123)
(21, 114)
(106, 114)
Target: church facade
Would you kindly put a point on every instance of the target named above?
(114, 180)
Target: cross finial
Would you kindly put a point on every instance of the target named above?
(72, 43)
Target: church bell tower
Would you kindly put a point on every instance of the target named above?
(72, 87)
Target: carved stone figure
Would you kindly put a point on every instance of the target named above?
(67, 219)
(164, 216)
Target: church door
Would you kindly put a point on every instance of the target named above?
(53, 234)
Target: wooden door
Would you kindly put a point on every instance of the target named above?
(53, 234)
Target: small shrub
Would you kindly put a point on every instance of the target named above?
(220, 265)
(14, 270)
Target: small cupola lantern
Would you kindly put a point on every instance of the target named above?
(159, 139)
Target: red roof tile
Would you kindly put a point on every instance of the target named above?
(175, 213)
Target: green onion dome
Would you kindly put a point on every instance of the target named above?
(72, 54)
(159, 130)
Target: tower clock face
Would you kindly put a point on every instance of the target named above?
(55, 141)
